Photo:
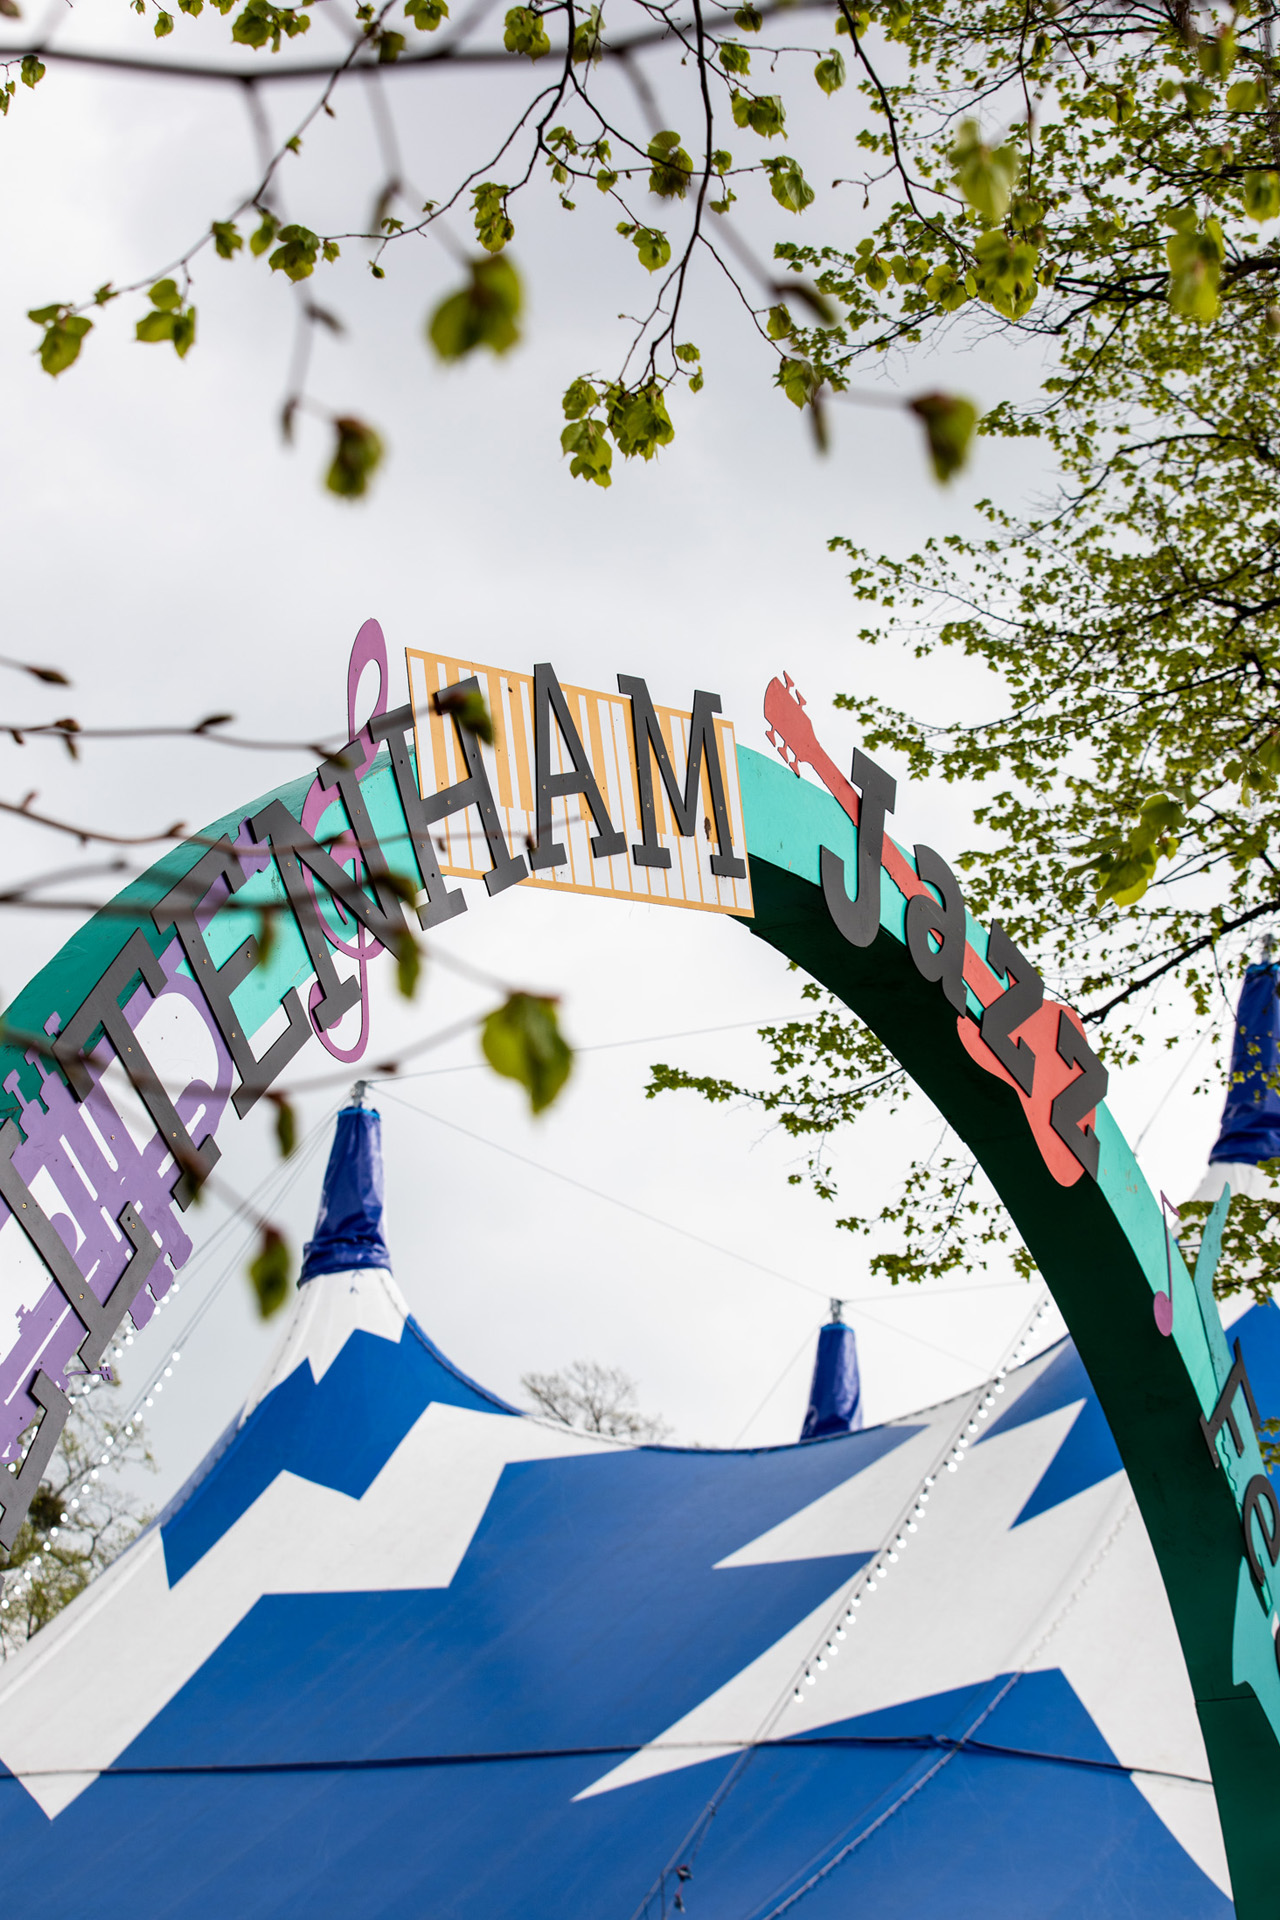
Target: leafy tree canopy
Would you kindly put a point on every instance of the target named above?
(1105, 180)
(665, 193)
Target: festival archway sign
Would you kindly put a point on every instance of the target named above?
(171, 1013)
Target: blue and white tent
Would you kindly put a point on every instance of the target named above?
(399, 1650)
(1249, 1135)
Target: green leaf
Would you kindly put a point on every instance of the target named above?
(588, 42)
(297, 253)
(468, 709)
(521, 1040)
(1125, 864)
(733, 58)
(588, 443)
(269, 1272)
(168, 319)
(484, 313)
(1259, 775)
(984, 176)
(688, 353)
(357, 455)
(525, 33)
(63, 334)
(390, 46)
(155, 326)
(798, 380)
(32, 70)
(226, 239)
(639, 421)
(1195, 271)
(1125, 881)
(408, 963)
(493, 224)
(748, 19)
(426, 15)
(163, 25)
(788, 185)
(1217, 54)
(266, 936)
(261, 21)
(765, 114)
(160, 325)
(184, 331)
(1262, 195)
(947, 287)
(652, 247)
(949, 425)
(778, 324)
(1157, 817)
(286, 1124)
(262, 237)
(672, 168)
(1244, 96)
(1119, 104)
(579, 398)
(830, 73)
(1005, 273)
(252, 28)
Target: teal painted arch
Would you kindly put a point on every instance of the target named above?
(1100, 1245)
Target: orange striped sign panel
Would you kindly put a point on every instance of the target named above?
(604, 727)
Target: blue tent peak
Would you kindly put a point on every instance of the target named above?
(835, 1398)
(1250, 1129)
(349, 1224)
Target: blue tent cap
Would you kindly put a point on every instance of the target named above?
(835, 1398)
(349, 1224)
(1250, 1129)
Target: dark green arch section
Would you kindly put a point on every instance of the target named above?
(1101, 1249)
(1099, 1244)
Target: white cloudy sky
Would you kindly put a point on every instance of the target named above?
(169, 553)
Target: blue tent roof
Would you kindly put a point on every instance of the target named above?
(835, 1395)
(399, 1650)
(349, 1232)
(1250, 1130)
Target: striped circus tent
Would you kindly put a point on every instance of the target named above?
(1249, 1136)
(398, 1649)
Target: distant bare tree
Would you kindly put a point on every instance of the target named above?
(593, 1399)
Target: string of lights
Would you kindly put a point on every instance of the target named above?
(966, 1742)
(870, 1578)
(844, 1617)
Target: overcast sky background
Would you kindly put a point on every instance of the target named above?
(175, 559)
